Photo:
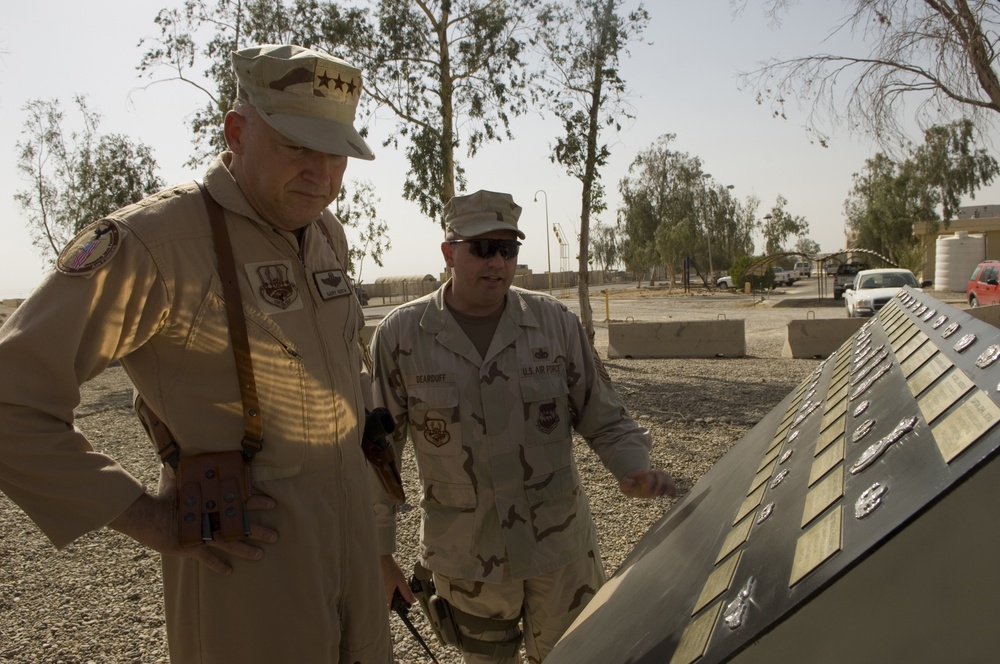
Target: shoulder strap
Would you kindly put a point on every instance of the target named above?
(252, 423)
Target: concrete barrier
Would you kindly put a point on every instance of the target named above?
(990, 314)
(703, 338)
(818, 337)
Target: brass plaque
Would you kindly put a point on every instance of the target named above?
(695, 638)
(903, 336)
(751, 502)
(828, 436)
(717, 582)
(965, 425)
(778, 439)
(824, 494)
(827, 460)
(768, 458)
(916, 360)
(833, 414)
(840, 393)
(736, 536)
(763, 475)
(907, 349)
(939, 399)
(927, 374)
(817, 545)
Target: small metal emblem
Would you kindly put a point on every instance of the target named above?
(939, 321)
(779, 478)
(766, 512)
(862, 407)
(785, 456)
(965, 342)
(883, 370)
(870, 455)
(921, 310)
(792, 436)
(950, 330)
(929, 315)
(988, 356)
(870, 500)
(863, 430)
(737, 609)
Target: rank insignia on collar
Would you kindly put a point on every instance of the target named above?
(91, 249)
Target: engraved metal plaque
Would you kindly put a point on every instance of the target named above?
(823, 494)
(817, 545)
(941, 397)
(965, 425)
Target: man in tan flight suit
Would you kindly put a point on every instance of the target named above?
(488, 382)
(143, 286)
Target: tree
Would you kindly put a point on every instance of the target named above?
(605, 243)
(582, 43)
(889, 196)
(356, 210)
(79, 178)
(807, 246)
(940, 54)
(779, 225)
(450, 72)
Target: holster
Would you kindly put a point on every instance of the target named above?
(445, 620)
(379, 452)
(212, 490)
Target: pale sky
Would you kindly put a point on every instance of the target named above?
(683, 81)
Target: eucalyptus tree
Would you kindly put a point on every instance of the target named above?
(582, 42)
(780, 225)
(76, 177)
(939, 56)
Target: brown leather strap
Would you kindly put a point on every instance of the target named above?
(252, 423)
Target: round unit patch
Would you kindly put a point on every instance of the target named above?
(91, 249)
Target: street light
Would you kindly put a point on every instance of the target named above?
(767, 230)
(548, 253)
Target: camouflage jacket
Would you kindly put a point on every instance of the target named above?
(493, 438)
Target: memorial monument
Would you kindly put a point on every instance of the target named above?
(854, 523)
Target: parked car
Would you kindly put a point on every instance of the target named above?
(982, 288)
(845, 277)
(871, 289)
(783, 277)
(724, 282)
(802, 269)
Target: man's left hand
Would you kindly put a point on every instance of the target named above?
(647, 484)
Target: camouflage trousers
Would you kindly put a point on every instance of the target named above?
(547, 604)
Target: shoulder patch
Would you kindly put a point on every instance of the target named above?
(91, 249)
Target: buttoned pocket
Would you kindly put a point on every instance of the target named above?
(548, 441)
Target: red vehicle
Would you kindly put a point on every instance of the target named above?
(983, 286)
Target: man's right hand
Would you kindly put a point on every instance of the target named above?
(152, 521)
(394, 579)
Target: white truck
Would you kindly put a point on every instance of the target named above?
(802, 270)
(783, 277)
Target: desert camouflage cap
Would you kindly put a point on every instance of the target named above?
(481, 212)
(307, 96)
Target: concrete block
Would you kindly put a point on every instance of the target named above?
(990, 314)
(703, 338)
(818, 337)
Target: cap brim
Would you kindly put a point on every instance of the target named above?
(320, 135)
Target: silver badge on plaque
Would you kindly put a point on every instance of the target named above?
(965, 342)
(883, 370)
(929, 315)
(737, 609)
(763, 515)
(870, 455)
(863, 430)
(939, 321)
(988, 356)
(862, 407)
(950, 330)
(785, 456)
(869, 500)
(779, 478)
(792, 436)
(921, 310)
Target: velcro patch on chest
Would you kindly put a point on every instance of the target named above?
(331, 284)
(91, 249)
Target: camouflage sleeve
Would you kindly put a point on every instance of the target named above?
(599, 414)
(387, 390)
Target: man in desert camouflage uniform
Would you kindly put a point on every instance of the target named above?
(144, 287)
(489, 381)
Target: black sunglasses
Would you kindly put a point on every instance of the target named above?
(487, 248)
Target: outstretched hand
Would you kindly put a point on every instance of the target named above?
(647, 484)
(152, 521)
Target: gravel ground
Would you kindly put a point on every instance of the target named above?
(99, 600)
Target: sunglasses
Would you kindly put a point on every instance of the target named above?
(488, 248)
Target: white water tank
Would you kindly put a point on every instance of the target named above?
(957, 257)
